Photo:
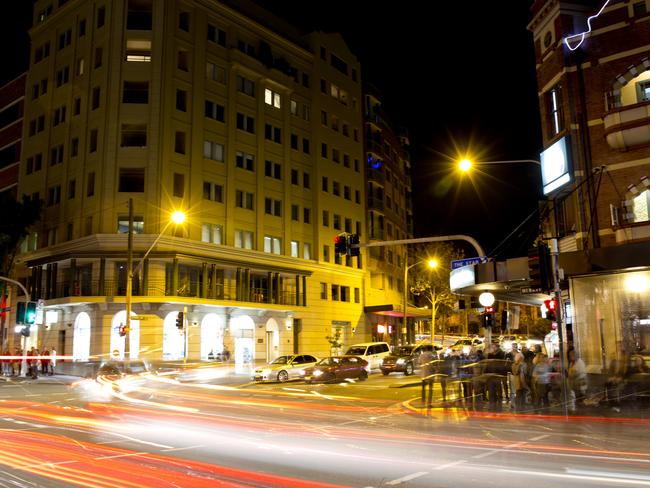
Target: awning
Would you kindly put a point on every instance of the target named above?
(390, 310)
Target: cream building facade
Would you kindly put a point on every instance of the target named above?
(192, 106)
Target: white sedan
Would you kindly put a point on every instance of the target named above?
(285, 368)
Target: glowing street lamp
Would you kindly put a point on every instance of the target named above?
(176, 218)
(433, 264)
(466, 165)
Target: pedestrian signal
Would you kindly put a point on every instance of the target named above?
(179, 320)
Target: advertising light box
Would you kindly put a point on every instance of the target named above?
(556, 168)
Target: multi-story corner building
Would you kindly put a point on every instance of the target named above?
(593, 61)
(389, 217)
(201, 107)
(12, 102)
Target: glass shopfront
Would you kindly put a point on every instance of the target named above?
(611, 316)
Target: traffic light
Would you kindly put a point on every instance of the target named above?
(353, 250)
(30, 313)
(487, 319)
(551, 309)
(179, 320)
(24, 331)
(539, 268)
(341, 244)
(122, 330)
(20, 313)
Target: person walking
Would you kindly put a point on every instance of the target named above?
(577, 379)
(427, 373)
(541, 380)
(520, 381)
(52, 361)
(45, 361)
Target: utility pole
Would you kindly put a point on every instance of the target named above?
(559, 315)
(129, 283)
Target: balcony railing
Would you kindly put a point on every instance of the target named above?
(375, 203)
(189, 289)
(628, 126)
(375, 175)
(374, 147)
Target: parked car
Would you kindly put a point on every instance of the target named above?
(119, 369)
(285, 368)
(405, 359)
(464, 346)
(336, 368)
(372, 352)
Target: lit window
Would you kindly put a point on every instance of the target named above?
(271, 98)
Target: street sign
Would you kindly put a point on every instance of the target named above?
(459, 263)
(531, 291)
(140, 317)
(116, 353)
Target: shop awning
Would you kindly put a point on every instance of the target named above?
(390, 310)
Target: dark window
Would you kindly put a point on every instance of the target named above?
(294, 141)
(74, 147)
(76, 106)
(139, 14)
(179, 142)
(99, 57)
(306, 215)
(179, 185)
(54, 195)
(95, 98)
(9, 155)
(272, 170)
(101, 17)
(245, 123)
(306, 183)
(323, 150)
(184, 21)
(90, 186)
(294, 176)
(338, 64)
(639, 8)
(82, 27)
(305, 80)
(215, 34)
(63, 76)
(131, 180)
(215, 111)
(272, 133)
(183, 61)
(134, 135)
(72, 188)
(135, 92)
(65, 38)
(305, 146)
(181, 100)
(92, 144)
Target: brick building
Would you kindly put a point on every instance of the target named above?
(593, 72)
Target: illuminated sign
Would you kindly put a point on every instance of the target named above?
(462, 277)
(555, 166)
(578, 39)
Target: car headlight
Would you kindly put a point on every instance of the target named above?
(301, 372)
(400, 361)
(317, 372)
(266, 371)
(466, 349)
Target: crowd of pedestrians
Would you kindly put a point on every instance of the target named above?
(37, 362)
(528, 380)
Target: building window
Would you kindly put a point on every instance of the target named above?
(323, 150)
(212, 192)
(96, 97)
(246, 48)
(41, 52)
(295, 211)
(131, 180)
(216, 35)
(62, 76)
(643, 91)
(72, 189)
(245, 161)
(80, 67)
(272, 133)
(273, 170)
(306, 215)
(272, 98)
(273, 207)
(294, 141)
(183, 60)
(335, 292)
(246, 86)
(324, 184)
(306, 182)
(294, 249)
(336, 188)
(179, 142)
(215, 111)
(90, 184)
(74, 147)
(54, 195)
(554, 103)
(215, 72)
(135, 92)
(56, 155)
(213, 150)
(138, 51)
(94, 139)
(123, 224)
(357, 295)
(294, 176)
(323, 291)
(244, 199)
(348, 225)
(139, 14)
(272, 245)
(326, 254)
(181, 100)
(179, 185)
(99, 56)
(184, 21)
(293, 107)
(326, 218)
(346, 192)
(59, 116)
(306, 250)
(305, 146)
(346, 160)
(244, 239)
(134, 135)
(245, 123)
(336, 155)
(336, 222)
(212, 233)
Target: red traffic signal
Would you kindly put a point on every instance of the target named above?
(341, 244)
(489, 309)
(551, 305)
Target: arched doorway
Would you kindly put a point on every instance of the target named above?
(212, 329)
(243, 330)
(272, 340)
(173, 338)
(118, 343)
(81, 338)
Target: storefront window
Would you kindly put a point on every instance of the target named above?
(611, 317)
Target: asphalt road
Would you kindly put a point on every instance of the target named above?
(162, 432)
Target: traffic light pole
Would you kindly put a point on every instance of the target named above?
(559, 316)
(129, 283)
(23, 367)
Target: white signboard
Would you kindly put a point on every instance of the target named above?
(555, 166)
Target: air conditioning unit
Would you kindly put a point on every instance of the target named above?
(613, 213)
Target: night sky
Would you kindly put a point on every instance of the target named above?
(459, 75)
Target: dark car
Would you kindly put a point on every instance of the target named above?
(405, 359)
(120, 369)
(336, 368)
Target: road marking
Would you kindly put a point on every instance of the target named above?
(407, 478)
(608, 474)
(182, 448)
(505, 448)
(600, 479)
(540, 437)
(449, 465)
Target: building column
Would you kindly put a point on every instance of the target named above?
(204, 280)
(238, 284)
(101, 284)
(174, 289)
(48, 281)
(304, 291)
(297, 290)
(270, 293)
(72, 279)
(55, 270)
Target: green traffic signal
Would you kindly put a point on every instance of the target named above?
(30, 313)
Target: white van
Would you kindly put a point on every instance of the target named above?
(373, 352)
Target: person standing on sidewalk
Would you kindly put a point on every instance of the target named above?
(52, 361)
(45, 361)
(519, 381)
(426, 372)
